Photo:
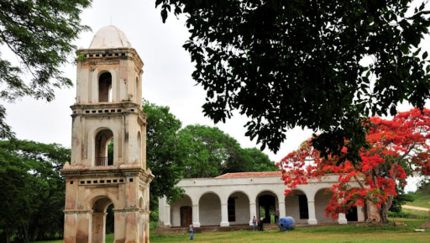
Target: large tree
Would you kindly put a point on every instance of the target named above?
(320, 64)
(32, 190)
(209, 152)
(40, 34)
(398, 148)
(162, 154)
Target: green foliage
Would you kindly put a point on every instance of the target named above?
(195, 151)
(209, 152)
(424, 186)
(420, 199)
(40, 34)
(287, 64)
(32, 194)
(162, 154)
(399, 200)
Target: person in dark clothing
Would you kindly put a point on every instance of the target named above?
(261, 227)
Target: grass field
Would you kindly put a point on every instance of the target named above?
(420, 200)
(333, 233)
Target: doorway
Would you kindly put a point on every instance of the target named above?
(186, 216)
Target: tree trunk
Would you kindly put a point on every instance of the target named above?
(6, 233)
(26, 239)
(384, 213)
(384, 209)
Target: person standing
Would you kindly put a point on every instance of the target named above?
(276, 215)
(261, 224)
(254, 223)
(191, 231)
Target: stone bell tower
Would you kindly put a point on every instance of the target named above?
(108, 163)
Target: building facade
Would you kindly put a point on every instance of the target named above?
(108, 161)
(235, 198)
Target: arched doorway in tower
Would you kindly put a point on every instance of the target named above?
(267, 204)
(105, 87)
(181, 212)
(296, 206)
(104, 148)
(99, 220)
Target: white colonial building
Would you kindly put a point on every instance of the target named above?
(234, 198)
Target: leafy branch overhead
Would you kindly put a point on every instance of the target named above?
(39, 33)
(319, 64)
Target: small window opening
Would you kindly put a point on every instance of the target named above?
(71, 182)
(131, 180)
(109, 181)
(105, 87)
(82, 182)
(121, 180)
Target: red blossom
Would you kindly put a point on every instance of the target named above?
(402, 141)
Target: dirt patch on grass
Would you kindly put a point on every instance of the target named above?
(426, 225)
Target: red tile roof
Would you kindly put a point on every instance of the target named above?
(250, 174)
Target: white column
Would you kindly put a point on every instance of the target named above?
(342, 219)
(281, 207)
(311, 209)
(224, 215)
(196, 218)
(167, 212)
(252, 213)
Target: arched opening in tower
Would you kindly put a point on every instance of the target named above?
(105, 87)
(102, 220)
(104, 150)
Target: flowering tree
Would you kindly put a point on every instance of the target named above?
(397, 148)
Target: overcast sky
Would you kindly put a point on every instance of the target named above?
(166, 79)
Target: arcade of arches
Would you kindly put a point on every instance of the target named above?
(233, 199)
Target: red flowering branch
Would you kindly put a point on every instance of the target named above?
(398, 147)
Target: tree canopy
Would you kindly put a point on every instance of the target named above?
(321, 64)
(40, 34)
(209, 152)
(195, 151)
(162, 154)
(32, 190)
(398, 148)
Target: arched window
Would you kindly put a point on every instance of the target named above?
(139, 148)
(136, 91)
(105, 87)
(104, 140)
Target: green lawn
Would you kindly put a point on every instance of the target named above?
(420, 200)
(333, 233)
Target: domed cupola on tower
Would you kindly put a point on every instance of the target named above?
(108, 162)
